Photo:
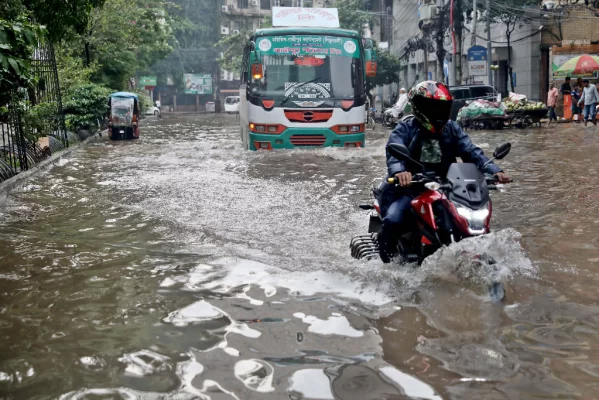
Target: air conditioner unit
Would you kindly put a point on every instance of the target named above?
(224, 9)
(224, 30)
(255, 3)
(428, 12)
(235, 31)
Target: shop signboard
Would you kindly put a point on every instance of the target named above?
(147, 81)
(197, 83)
(477, 61)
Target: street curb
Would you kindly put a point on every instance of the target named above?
(19, 179)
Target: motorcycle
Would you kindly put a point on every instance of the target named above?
(389, 119)
(447, 210)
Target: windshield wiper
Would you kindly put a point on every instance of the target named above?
(297, 86)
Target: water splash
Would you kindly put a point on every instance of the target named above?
(478, 261)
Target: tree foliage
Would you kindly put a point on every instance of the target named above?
(196, 28)
(72, 72)
(352, 15)
(198, 23)
(59, 16)
(387, 71)
(17, 41)
(233, 46)
(125, 36)
(86, 106)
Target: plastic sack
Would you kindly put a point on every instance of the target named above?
(517, 97)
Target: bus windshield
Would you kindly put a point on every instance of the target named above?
(323, 68)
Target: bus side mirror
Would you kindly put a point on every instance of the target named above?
(257, 71)
(371, 63)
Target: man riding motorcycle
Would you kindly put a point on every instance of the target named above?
(398, 108)
(436, 142)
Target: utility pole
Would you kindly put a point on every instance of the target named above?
(425, 49)
(489, 48)
(458, 21)
(474, 21)
(439, 29)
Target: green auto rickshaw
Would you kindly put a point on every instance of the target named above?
(124, 116)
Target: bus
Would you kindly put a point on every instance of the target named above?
(304, 86)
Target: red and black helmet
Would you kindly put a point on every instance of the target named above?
(431, 105)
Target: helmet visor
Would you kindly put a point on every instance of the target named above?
(437, 112)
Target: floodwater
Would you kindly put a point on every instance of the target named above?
(179, 266)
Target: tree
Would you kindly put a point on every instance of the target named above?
(352, 15)
(60, 17)
(125, 36)
(71, 71)
(198, 23)
(387, 72)
(233, 46)
(18, 38)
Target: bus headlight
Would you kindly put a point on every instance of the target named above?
(345, 129)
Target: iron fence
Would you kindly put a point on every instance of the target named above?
(32, 112)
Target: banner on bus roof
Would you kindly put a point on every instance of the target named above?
(312, 45)
(305, 17)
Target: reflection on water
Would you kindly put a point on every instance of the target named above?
(179, 266)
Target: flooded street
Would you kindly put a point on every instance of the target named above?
(180, 266)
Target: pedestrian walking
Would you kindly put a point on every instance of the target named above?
(597, 85)
(552, 102)
(590, 98)
(566, 87)
(567, 96)
(576, 110)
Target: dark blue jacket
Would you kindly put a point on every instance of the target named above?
(453, 142)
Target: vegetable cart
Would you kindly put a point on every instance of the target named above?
(526, 118)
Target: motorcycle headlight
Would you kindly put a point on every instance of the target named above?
(476, 218)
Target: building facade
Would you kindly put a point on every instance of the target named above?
(569, 32)
(417, 66)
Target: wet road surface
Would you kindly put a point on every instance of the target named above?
(179, 266)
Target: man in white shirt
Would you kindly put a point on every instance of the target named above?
(399, 107)
(590, 98)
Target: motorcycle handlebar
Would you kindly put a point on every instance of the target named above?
(494, 181)
(417, 179)
(490, 181)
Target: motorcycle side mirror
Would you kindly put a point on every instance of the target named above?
(502, 150)
(401, 152)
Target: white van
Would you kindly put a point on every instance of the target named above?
(232, 104)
